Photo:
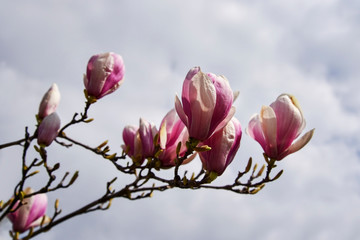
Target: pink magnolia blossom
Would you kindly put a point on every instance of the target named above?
(206, 103)
(224, 145)
(172, 131)
(104, 74)
(49, 102)
(48, 129)
(30, 213)
(278, 125)
(139, 141)
(132, 143)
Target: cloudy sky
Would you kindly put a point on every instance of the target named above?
(309, 48)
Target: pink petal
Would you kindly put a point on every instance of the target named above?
(234, 148)
(230, 115)
(289, 121)
(221, 143)
(185, 97)
(269, 127)
(166, 127)
(138, 156)
(20, 217)
(172, 132)
(300, 143)
(177, 133)
(224, 100)
(96, 74)
(189, 159)
(255, 130)
(129, 134)
(38, 208)
(163, 135)
(39, 221)
(115, 65)
(170, 119)
(180, 111)
(202, 95)
(90, 66)
(49, 102)
(147, 133)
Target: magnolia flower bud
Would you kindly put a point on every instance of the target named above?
(30, 213)
(139, 141)
(224, 145)
(206, 103)
(104, 74)
(172, 131)
(49, 102)
(278, 125)
(48, 129)
(132, 143)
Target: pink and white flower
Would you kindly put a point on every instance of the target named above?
(172, 131)
(30, 214)
(104, 74)
(139, 141)
(206, 103)
(132, 142)
(278, 125)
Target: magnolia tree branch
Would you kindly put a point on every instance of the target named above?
(145, 183)
(136, 190)
(18, 142)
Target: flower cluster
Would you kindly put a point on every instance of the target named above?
(201, 123)
(205, 115)
(146, 141)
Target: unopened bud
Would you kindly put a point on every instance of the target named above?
(48, 129)
(260, 171)
(104, 74)
(178, 148)
(33, 173)
(248, 166)
(74, 177)
(56, 204)
(111, 157)
(49, 102)
(102, 144)
(203, 148)
(185, 180)
(88, 120)
(211, 177)
(277, 175)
